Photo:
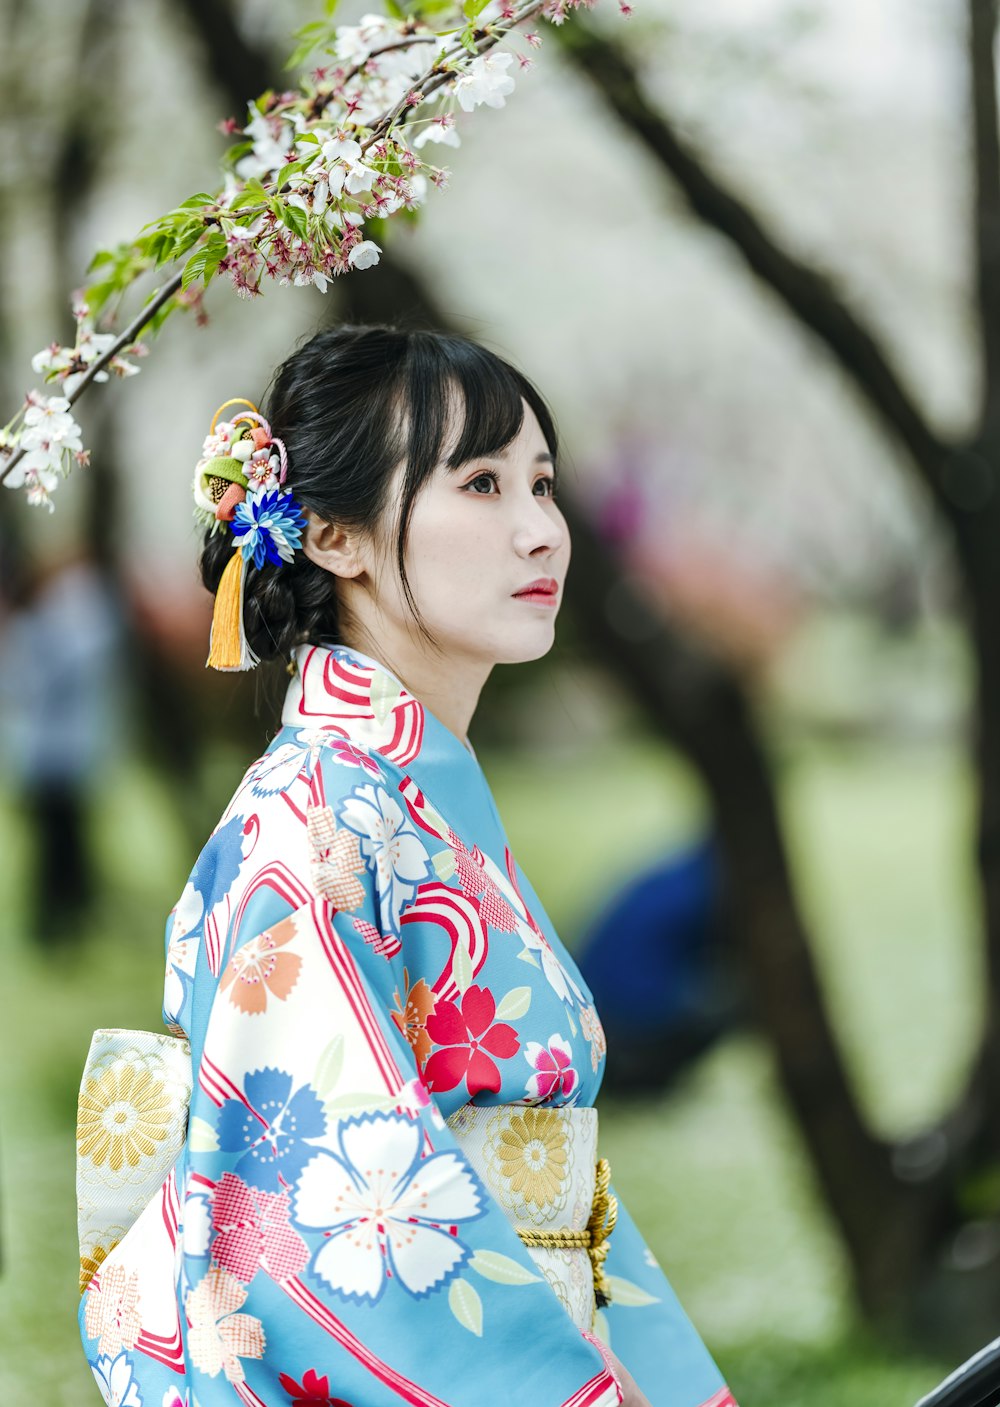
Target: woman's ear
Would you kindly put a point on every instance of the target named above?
(334, 548)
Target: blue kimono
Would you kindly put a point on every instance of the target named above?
(356, 956)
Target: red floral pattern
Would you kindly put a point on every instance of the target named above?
(253, 1231)
(468, 1037)
(313, 1391)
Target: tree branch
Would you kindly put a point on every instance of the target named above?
(982, 29)
(807, 293)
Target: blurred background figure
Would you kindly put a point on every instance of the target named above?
(61, 718)
(680, 988)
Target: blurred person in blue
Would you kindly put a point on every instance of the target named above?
(61, 643)
(362, 1168)
(681, 988)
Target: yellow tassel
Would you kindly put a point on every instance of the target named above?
(228, 648)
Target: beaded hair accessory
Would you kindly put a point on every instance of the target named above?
(239, 483)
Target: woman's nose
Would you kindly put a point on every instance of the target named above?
(540, 529)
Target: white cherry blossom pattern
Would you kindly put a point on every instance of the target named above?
(391, 846)
(384, 1210)
(116, 1380)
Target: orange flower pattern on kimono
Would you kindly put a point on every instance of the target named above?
(261, 968)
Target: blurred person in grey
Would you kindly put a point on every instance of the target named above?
(61, 638)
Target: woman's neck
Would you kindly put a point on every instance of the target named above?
(448, 688)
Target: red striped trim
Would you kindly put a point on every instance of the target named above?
(169, 1207)
(459, 916)
(246, 1394)
(352, 986)
(601, 1391)
(219, 1087)
(723, 1398)
(321, 1315)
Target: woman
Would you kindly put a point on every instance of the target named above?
(357, 958)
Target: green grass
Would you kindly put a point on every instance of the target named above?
(715, 1174)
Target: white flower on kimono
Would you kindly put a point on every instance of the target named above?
(554, 1078)
(385, 1210)
(182, 950)
(278, 769)
(197, 1219)
(218, 1337)
(114, 1378)
(111, 1313)
(392, 847)
(271, 1126)
(485, 81)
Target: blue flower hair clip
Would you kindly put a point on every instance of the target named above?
(239, 481)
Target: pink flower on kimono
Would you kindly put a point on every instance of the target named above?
(218, 1338)
(253, 1231)
(353, 756)
(554, 1075)
(469, 1038)
(313, 1391)
(111, 1313)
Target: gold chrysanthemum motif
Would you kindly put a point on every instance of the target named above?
(533, 1155)
(91, 1264)
(124, 1113)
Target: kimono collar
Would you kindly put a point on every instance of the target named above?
(339, 688)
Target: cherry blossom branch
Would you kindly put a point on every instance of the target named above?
(123, 341)
(315, 165)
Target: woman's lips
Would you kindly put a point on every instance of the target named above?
(544, 592)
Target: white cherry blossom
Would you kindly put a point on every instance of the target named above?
(364, 255)
(486, 81)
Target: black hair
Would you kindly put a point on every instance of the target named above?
(350, 405)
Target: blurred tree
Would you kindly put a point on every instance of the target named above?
(921, 1222)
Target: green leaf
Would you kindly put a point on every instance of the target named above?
(461, 967)
(473, 8)
(331, 1062)
(444, 864)
(467, 1307)
(623, 1292)
(194, 268)
(385, 694)
(292, 216)
(196, 202)
(467, 40)
(202, 1136)
(358, 1102)
(491, 1265)
(602, 1329)
(514, 1004)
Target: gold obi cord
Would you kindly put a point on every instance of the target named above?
(593, 1239)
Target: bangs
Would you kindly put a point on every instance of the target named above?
(461, 394)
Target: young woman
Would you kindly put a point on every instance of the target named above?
(386, 1192)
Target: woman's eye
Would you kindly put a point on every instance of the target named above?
(548, 487)
(486, 477)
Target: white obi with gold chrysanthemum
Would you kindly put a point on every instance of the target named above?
(131, 1124)
(540, 1164)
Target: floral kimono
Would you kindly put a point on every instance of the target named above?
(356, 956)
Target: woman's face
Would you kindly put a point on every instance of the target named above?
(478, 537)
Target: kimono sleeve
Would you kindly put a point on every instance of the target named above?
(348, 1253)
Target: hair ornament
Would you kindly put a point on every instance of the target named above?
(239, 483)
